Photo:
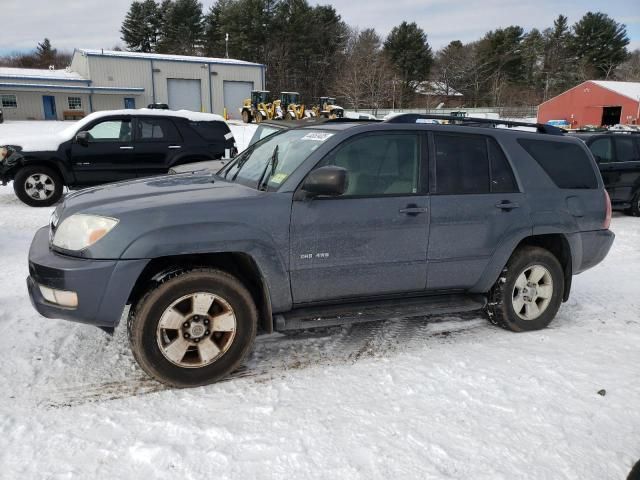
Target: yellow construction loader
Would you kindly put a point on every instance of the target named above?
(256, 108)
(290, 107)
(327, 108)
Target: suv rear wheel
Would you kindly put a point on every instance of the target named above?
(193, 329)
(38, 186)
(529, 292)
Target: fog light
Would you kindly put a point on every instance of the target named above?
(59, 297)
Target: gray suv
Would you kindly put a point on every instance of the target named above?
(326, 224)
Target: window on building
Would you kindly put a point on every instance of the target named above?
(380, 165)
(156, 130)
(462, 164)
(567, 164)
(75, 103)
(8, 101)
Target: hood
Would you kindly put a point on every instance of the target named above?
(153, 193)
(35, 143)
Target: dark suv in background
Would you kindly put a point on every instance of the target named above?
(109, 146)
(326, 224)
(618, 158)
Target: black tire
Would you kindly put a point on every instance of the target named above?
(246, 116)
(501, 309)
(143, 327)
(37, 171)
(635, 206)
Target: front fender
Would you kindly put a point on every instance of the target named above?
(220, 237)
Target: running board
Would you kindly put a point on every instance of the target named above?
(331, 315)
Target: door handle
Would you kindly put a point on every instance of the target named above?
(175, 146)
(413, 210)
(507, 205)
(126, 148)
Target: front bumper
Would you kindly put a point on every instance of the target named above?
(103, 286)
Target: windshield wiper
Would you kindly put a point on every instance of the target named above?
(273, 163)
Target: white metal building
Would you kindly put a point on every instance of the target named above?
(106, 80)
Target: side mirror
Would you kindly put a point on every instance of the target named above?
(327, 181)
(82, 138)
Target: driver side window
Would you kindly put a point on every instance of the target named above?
(111, 131)
(379, 164)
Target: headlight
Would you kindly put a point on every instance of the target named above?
(80, 231)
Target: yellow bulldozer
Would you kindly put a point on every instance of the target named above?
(328, 108)
(256, 108)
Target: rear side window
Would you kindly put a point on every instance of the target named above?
(602, 150)
(212, 131)
(156, 130)
(462, 164)
(567, 164)
(625, 150)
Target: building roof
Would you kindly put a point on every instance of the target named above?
(165, 57)
(40, 74)
(627, 89)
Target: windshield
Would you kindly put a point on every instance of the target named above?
(263, 131)
(264, 166)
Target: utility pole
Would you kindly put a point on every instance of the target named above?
(226, 45)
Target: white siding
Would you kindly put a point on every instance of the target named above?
(122, 72)
(30, 106)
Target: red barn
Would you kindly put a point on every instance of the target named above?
(594, 102)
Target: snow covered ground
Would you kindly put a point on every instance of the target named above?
(446, 397)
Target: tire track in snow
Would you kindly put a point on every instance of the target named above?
(276, 355)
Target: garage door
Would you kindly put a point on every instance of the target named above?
(184, 94)
(234, 94)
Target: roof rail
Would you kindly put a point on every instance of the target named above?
(474, 122)
(351, 120)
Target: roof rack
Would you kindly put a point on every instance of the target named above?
(475, 122)
(351, 120)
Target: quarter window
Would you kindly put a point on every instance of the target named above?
(380, 165)
(9, 101)
(75, 103)
(111, 131)
(502, 180)
(462, 164)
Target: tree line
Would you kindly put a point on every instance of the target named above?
(310, 49)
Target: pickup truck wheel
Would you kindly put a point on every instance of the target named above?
(193, 329)
(38, 186)
(529, 292)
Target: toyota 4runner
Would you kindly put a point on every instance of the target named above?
(327, 224)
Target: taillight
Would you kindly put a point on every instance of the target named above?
(607, 217)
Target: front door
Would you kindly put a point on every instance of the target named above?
(49, 106)
(476, 205)
(373, 239)
(108, 156)
(129, 102)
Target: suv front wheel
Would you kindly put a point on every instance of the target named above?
(529, 292)
(38, 186)
(193, 329)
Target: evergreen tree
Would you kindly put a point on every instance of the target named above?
(182, 27)
(558, 70)
(46, 54)
(411, 56)
(141, 25)
(599, 45)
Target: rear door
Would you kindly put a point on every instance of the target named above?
(603, 152)
(108, 156)
(476, 203)
(373, 239)
(156, 142)
(627, 167)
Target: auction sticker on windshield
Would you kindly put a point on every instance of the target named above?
(317, 136)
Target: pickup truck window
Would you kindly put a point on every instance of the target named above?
(625, 150)
(601, 149)
(264, 166)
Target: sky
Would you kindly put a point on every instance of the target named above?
(73, 24)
